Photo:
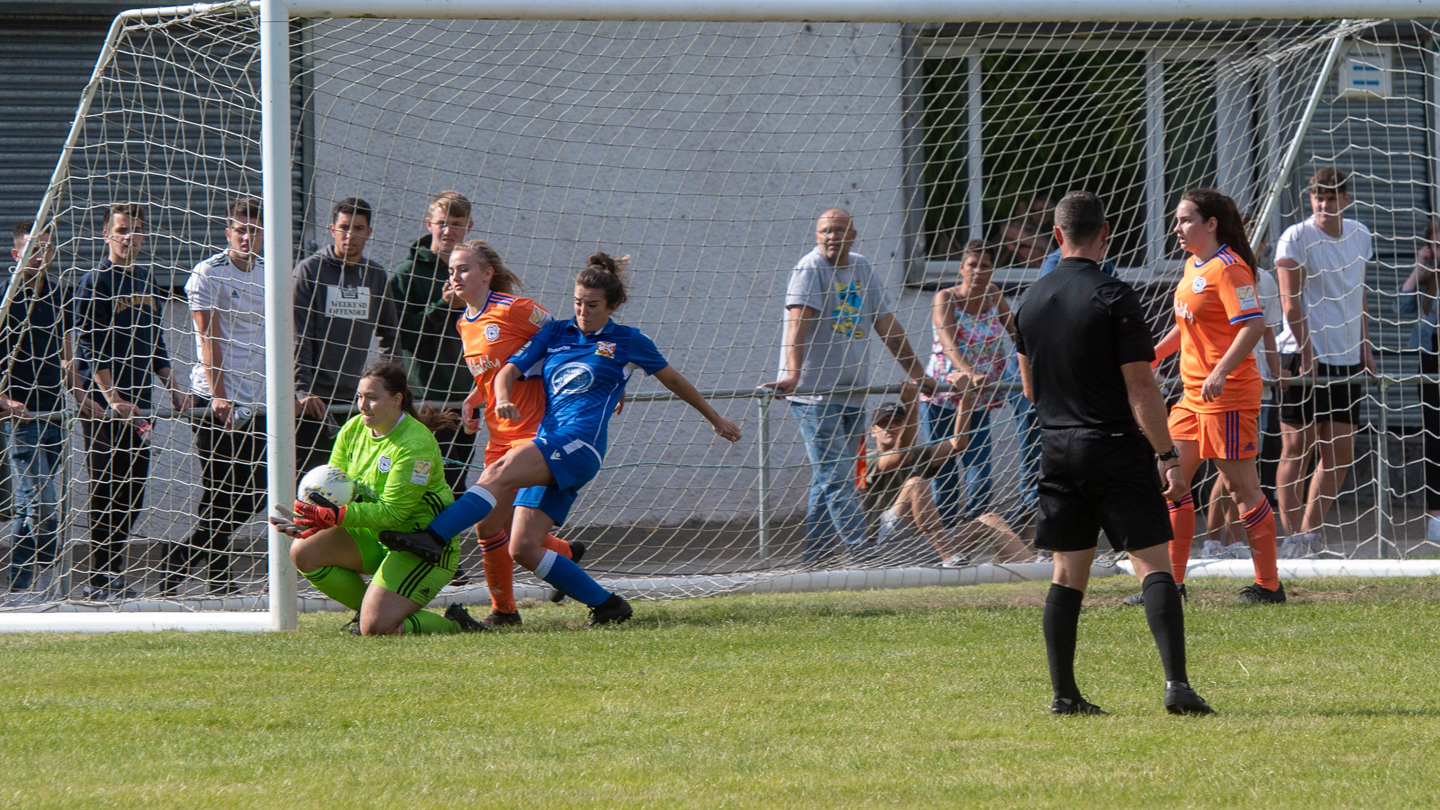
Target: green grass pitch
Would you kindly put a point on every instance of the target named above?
(923, 698)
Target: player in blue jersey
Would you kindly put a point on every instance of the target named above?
(584, 363)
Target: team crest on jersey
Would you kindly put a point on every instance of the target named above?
(492, 332)
(605, 348)
(384, 464)
(1247, 297)
(1198, 285)
(421, 474)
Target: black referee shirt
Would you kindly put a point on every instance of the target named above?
(1077, 327)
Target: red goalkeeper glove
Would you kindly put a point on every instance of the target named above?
(323, 514)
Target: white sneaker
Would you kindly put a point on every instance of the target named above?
(1212, 550)
(1235, 551)
(956, 560)
(1432, 529)
(1296, 546)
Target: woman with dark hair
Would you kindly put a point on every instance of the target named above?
(974, 347)
(583, 362)
(1218, 321)
(390, 453)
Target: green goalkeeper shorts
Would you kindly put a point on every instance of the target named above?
(402, 572)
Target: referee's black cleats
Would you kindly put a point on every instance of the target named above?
(425, 544)
(1066, 706)
(1139, 598)
(1255, 594)
(1181, 699)
(614, 610)
(461, 616)
(577, 553)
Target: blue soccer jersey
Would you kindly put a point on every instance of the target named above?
(585, 376)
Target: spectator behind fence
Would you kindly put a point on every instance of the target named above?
(226, 295)
(833, 302)
(1321, 264)
(897, 495)
(973, 346)
(1417, 299)
(340, 304)
(33, 391)
(428, 307)
(121, 344)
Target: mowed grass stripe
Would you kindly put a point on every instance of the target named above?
(920, 698)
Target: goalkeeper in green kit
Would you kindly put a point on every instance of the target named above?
(390, 453)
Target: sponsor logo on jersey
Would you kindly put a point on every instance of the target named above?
(492, 332)
(384, 464)
(554, 349)
(605, 348)
(421, 474)
(539, 317)
(1182, 310)
(1198, 285)
(1247, 297)
(572, 378)
(482, 363)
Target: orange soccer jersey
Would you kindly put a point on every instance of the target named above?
(1212, 302)
(491, 337)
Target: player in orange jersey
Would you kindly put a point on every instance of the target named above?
(1218, 321)
(494, 325)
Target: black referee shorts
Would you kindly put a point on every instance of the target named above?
(1092, 479)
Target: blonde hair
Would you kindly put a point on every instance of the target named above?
(504, 279)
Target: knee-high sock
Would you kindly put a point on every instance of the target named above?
(556, 545)
(1182, 523)
(499, 571)
(570, 579)
(1260, 531)
(341, 584)
(423, 621)
(472, 508)
(1061, 624)
(1165, 613)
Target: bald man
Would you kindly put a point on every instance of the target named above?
(833, 303)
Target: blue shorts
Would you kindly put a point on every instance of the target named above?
(573, 462)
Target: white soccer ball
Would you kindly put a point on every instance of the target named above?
(328, 481)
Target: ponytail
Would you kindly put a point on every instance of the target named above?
(1229, 226)
(603, 272)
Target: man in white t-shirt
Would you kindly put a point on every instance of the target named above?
(226, 294)
(1322, 266)
(834, 301)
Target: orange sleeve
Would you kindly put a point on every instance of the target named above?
(1238, 293)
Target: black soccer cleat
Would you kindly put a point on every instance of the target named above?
(353, 626)
(500, 619)
(1139, 598)
(1081, 706)
(1181, 699)
(458, 614)
(577, 553)
(462, 577)
(614, 610)
(425, 544)
(1255, 594)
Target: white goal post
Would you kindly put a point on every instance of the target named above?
(277, 108)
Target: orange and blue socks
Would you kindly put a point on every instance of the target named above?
(1182, 523)
(1260, 531)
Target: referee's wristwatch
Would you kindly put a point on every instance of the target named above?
(1171, 454)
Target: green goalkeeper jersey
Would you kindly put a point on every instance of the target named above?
(401, 474)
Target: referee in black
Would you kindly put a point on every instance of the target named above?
(1085, 354)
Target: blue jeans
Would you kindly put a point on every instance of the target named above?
(962, 488)
(832, 435)
(34, 451)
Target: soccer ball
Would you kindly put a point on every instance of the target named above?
(329, 482)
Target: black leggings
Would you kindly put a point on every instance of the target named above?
(1430, 417)
(233, 488)
(119, 464)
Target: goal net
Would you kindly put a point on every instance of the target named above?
(705, 151)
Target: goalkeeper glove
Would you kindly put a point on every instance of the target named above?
(322, 514)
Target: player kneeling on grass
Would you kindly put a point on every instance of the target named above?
(583, 362)
(896, 493)
(388, 450)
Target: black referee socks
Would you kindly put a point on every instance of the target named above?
(1165, 612)
(1060, 623)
